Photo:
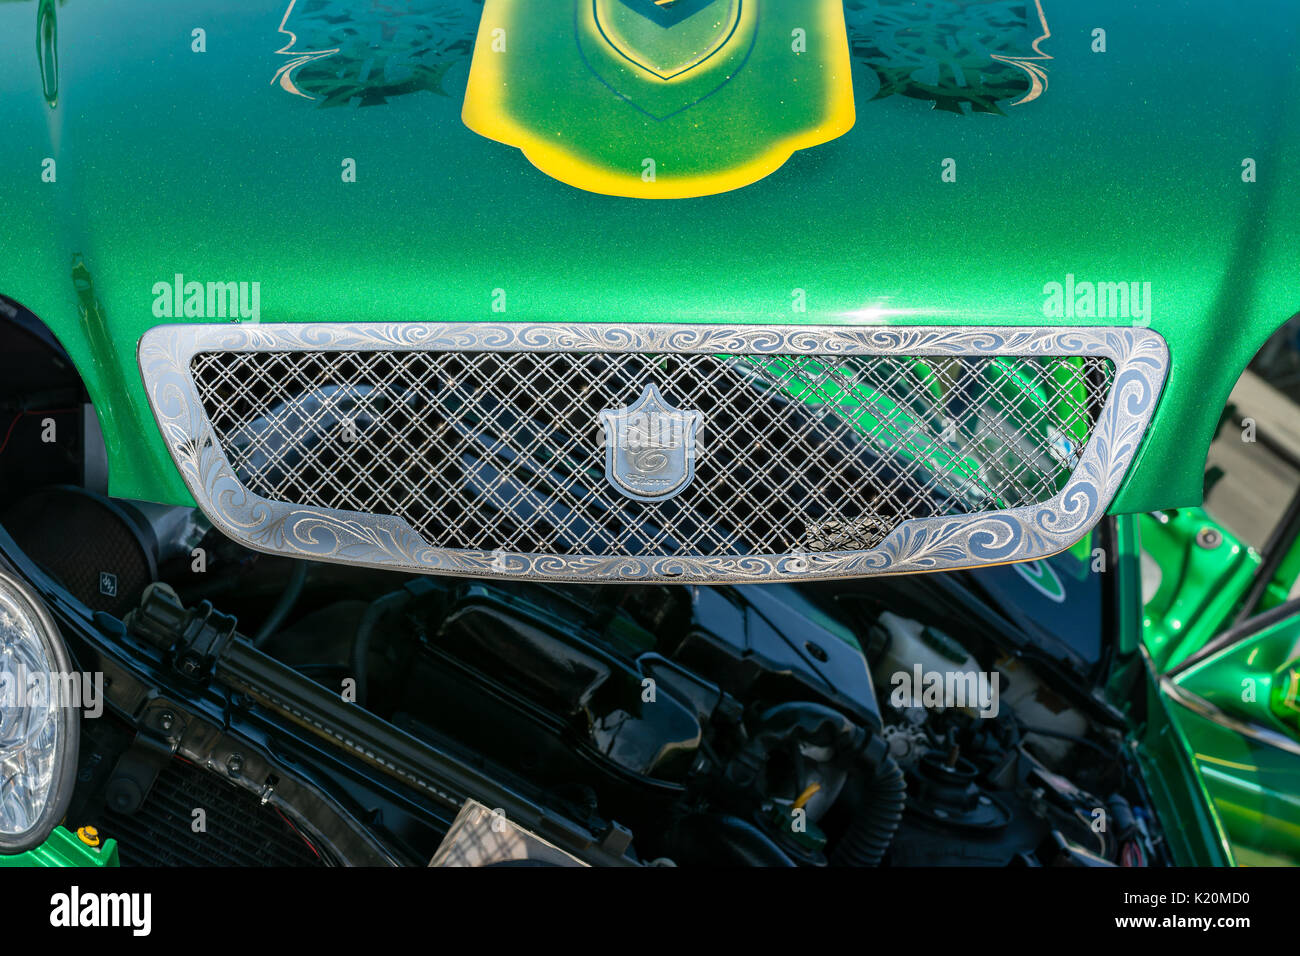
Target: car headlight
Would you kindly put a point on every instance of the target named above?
(39, 726)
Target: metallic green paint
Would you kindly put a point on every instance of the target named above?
(331, 58)
(1285, 585)
(171, 161)
(1198, 574)
(1189, 823)
(64, 848)
(1245, 737)
(1223, 730)
(988, 54)
(1192, 826)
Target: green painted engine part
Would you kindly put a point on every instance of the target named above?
(65, 848)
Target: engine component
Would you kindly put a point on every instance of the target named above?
(906, 743)
(708, 838)
(944, 790)
(237, 828)
(172, 530)
(878, 816)
(98, 550)
(1038, 707)
(910, 646)
(195, 637)
(734, 725)
(284, 605)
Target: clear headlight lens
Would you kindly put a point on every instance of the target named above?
(38, 729)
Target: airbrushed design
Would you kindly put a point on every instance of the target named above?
(650, 447)
(340, 54)
(666, 48)
(660, 100)
(663, 99)
(969, 57)
(667, 13)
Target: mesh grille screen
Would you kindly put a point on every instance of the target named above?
(505, 450)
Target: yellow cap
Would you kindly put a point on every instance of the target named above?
(88, 836)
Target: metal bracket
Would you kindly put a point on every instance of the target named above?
(135, 773)
(195, 637)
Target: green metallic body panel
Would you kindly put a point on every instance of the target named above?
(1252, 789)
(1193, 829)
(1189, 823)
(1253, 778)
(1286, 583)
(225, 165)
(63, 848)
(1201, 583)
(1220, 747)
(1198, 587)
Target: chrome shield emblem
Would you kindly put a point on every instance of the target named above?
(650, 447)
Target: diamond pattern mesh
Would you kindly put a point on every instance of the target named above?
(505, 450)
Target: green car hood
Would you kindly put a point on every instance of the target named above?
(992, 149)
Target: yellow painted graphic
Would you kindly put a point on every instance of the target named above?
(613, 97)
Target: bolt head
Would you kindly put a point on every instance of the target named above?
(1209, 538)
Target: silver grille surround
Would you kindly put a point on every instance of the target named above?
(941, 542)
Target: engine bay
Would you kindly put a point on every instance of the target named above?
(765, 725)
(346, 714)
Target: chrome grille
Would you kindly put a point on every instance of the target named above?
(825, 451)
(504, 450)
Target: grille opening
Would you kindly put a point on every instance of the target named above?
(489, 450)
(239, 829)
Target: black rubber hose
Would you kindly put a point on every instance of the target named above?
(288, 598)
(723, 839)
(365, 629)
(876, 821)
